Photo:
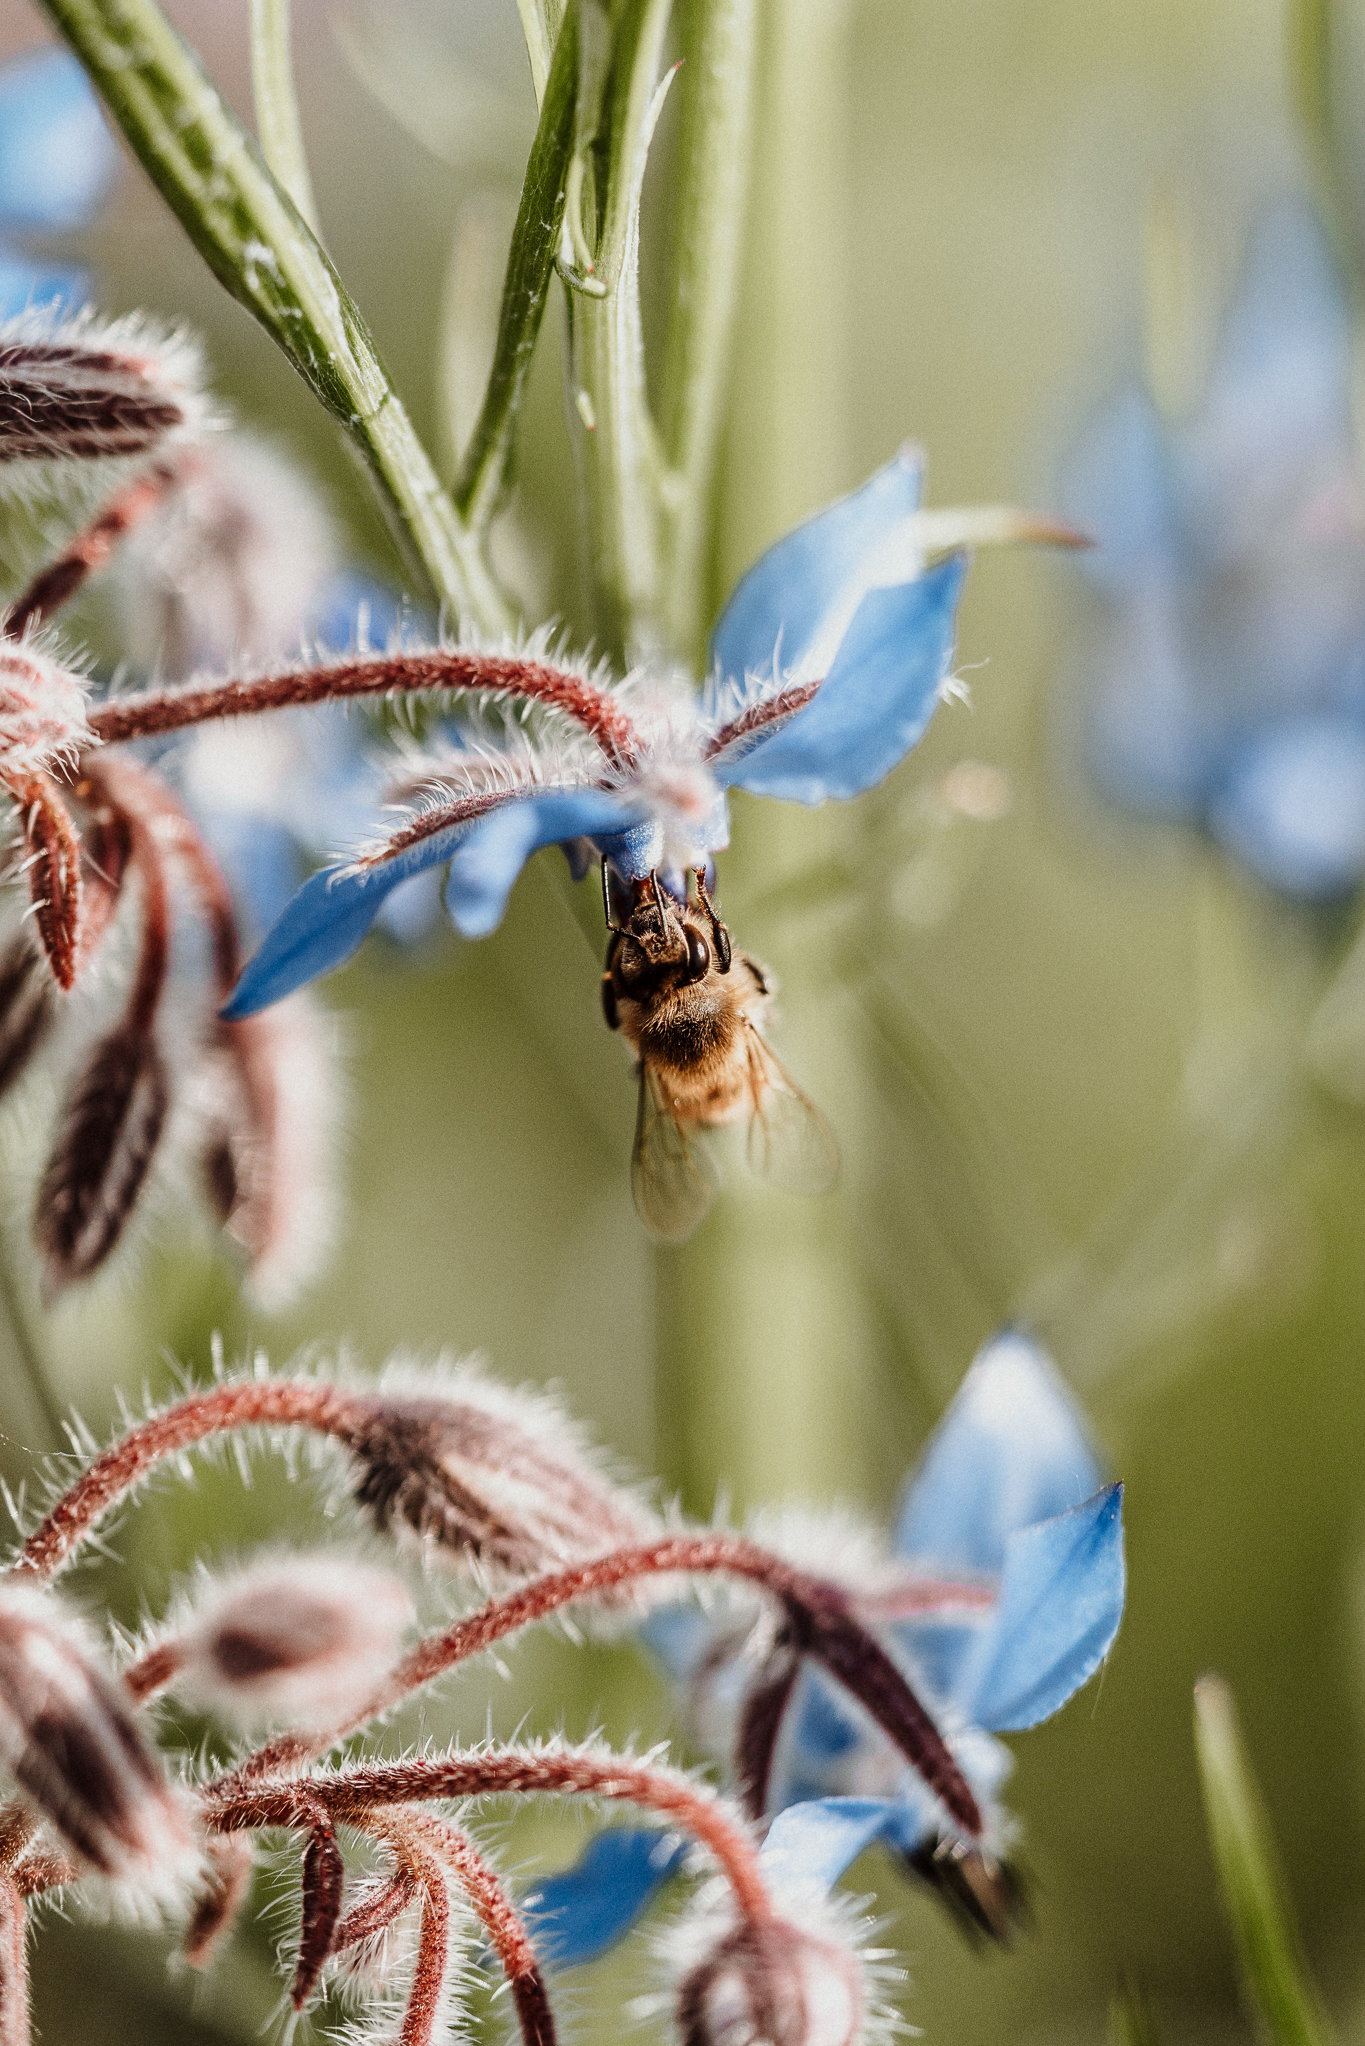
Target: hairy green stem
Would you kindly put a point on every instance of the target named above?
(277, 109)
(535, 240)
(214, 178)
(719, 45)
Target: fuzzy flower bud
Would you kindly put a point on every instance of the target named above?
(487, 1479)
(769, 1984)
(42, 712)
(298, 1638)
(68, 1735)
(81, 390)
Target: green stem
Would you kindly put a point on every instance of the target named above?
(277, 109)
(540, 24)
(719, 46)
(766, 1348)
(620, 468)
(535, 241)
(214, 178)
(1273, 1972)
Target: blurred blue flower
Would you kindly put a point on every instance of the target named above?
(1229, 678)
(827, 665)
(1009, 1496)
(57, 163)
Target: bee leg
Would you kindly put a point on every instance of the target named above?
(609, 1002)
(724, 955)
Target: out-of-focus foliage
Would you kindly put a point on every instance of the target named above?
(1063, 1049)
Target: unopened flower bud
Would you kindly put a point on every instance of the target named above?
(487, 1478)
(42, 712)
(81, 390)
(770, 1984)
(300, 1638)
(69, 1737)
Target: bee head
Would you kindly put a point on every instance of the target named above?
(663, 944)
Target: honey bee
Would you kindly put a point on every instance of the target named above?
(690, 1007)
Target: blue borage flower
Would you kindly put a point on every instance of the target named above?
(57, 162)
(826, 667)
(1229, 679)
(1008, 1497)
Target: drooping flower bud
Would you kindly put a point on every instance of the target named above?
(69, 1737)
(769, 1984)
(106, 1141)
(299, 1638)
(42, 712)
(82, 390)
(487, 1478)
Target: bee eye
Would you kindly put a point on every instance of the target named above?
(698, 954)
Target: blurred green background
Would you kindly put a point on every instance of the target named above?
(1062, 1052)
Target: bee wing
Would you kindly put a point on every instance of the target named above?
(672, 1174)
(789, 1140)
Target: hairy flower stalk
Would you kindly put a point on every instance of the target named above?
(513, 1772)
(817, 1615)
(136, 715)
(426, 1844)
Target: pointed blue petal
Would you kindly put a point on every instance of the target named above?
(57, 158)
(580, 1913)
(810, 1845)
(787, 593)
(1061, 1600)
(1010, 1450)
(494, 852)
(873, 705)
(327, 921)
(1292, 807)
(1117, 487)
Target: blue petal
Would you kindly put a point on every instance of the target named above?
(787, 593)
(577, 1915)
(327, 921)
(261, 859)
(681, 1637)
(53, 287)
(634, 853)
(873, 705)
(810, 1845)
(492, 855)
(822, 1730)
(57, 158)
(1061, 1600)
(1277, 411)
(1010, 1450)
(1292, 807)
(350, 608)
(1117, 487)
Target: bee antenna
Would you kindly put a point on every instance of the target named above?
(612, 924)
